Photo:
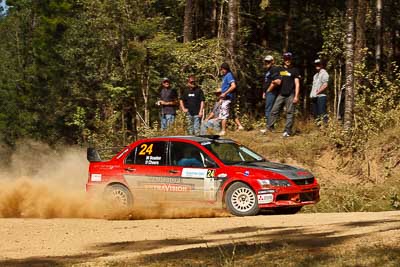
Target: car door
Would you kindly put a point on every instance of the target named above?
(145, 170)
(195, 170)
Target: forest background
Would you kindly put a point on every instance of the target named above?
(88, 72)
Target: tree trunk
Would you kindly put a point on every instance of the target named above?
(221, 20)
(213, 20)
(349, 98)
(360, 42)
(233, 16)
(188, 22)
(145, 89)
(378, 26)
(287, 28)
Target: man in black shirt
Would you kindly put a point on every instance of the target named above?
(288, 95)
(168, 102)
(192, 103)
(271, 86)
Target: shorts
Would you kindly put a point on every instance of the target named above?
(225, 107)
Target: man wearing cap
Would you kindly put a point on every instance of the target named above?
(270, 86)
(192, 103)
(213, 120)
(288, 95)
(168, 102)
(317, 95)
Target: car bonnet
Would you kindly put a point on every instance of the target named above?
(288, 171)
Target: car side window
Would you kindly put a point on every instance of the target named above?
(188, 155)
(149, 153)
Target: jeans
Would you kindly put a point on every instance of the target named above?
(167, 120)
(193, 124)
(214, 124)
(269, 103)
(319, 108)
(290, 111)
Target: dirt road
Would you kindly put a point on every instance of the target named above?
(99, 242)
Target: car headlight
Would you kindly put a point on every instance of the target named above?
(273, 182)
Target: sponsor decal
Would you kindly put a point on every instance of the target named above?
(265, 198)
(222, 175)
(170, 180)
(246, 173)
(194, 173)
(169, 187)
(94, 177)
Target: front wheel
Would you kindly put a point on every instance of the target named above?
(241, 200)
(119, 195)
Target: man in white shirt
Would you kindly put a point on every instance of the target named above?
(318, 92)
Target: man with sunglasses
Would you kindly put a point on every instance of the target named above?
(192, 103)
(168, 102)
(270, 86)
(288, 95)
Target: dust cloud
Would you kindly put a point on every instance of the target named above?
(40, 182)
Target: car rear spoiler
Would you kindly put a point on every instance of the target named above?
(93, 155)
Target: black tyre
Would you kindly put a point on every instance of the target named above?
(119, 195)
(241, 200)
(290, 210)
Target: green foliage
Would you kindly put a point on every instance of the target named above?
(376, 109)
(334, 36)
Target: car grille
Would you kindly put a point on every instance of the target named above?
(302, 197)
(304, 181)
(308, 196)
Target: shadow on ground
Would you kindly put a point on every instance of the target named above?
(220, 248)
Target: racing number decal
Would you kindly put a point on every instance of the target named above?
(144, 149)
(210, 173)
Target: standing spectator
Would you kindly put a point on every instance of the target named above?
(227, 87)
(213, 120)
(288, 95)
(168, 102)
(192, 103)
(270, 86)
(317, 95)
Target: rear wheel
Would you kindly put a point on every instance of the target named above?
(241, 200)
(118, 194)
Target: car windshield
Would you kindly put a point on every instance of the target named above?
(232, 153)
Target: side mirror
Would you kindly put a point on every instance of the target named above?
(92, 155)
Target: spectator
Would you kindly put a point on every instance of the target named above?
(270, 86)
(227, 87)
(192, 103)
(168, 102)
(318, 92)
(288, 95)
(213, 120)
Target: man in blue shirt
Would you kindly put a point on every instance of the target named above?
(227, 87)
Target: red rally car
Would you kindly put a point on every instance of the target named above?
(201, 168)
